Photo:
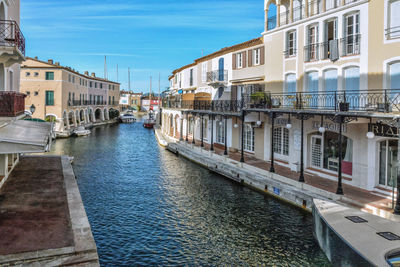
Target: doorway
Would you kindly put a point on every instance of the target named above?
(388, 153)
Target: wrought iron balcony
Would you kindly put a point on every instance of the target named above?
(393, 33)
(217, 76)
(351, 45)
(204, 105)
(12, 104)
(376, 100)
(311, 52)
(75, 103)
(11, 35)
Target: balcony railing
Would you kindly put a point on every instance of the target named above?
(393, 33)
(217, 76)
(11, 104)
(11, 35)
(311, 52)
(373, 100)
(299, 13)
(75, 103)
(351, 45)
(376, 100)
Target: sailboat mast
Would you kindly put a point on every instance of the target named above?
(150, 92)
(129, 79)
(159, 91)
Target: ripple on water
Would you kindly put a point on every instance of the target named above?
(147, 206)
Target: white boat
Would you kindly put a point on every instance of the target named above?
(127, 118)
(81, 131)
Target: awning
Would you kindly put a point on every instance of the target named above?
(25, 137)
(248, 80)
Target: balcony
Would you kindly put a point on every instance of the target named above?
(302, 12)
(349, 46)
(217, 78)
(204, 105)
(12, 42)
(393, 33)
(77, 103)
(12, 104)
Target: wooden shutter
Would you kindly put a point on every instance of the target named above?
(244, 59)
(234, 66)
(234, 92)
(262, 55)
(250, 57)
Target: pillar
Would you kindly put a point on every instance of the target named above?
(181, 133)
(194, 130)
(272, 168)
(187, 127)
(323, 5)
(339, 190)
(242, 137)
(202, 131)
(225, 132)
(306, 8)
(291, 11)
(3, 164)
(301, 177)
(397, 207)
(343, 2)
(212, 133)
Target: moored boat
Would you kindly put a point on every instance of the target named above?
(81, 131)
(127, 118)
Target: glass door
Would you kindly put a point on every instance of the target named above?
(352, 30)
(316, 151)
(387, 163)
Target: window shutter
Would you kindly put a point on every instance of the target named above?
(250, 57)
(234, 92)
(234, 66)
(244, 59)
(262, 55)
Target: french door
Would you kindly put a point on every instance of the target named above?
(352, 31)
(316, 151)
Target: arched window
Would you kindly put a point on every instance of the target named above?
(271, 17)
(352, 86)
(312, 88)
(394, 80)
(281, 141)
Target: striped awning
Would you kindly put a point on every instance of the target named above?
(23, 136)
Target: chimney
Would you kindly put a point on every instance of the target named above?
(57, 63)
(93, 74)
(36, 58)
(50, 61)
(86, 73)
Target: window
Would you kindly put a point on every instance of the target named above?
(27, 93)
(290, 44)
(330, 86)
(312, 48)
(281, 141)
(388, 153)
(312, 81)
(220, 129)
(239, 60)
(91, 84)
(109, 99)
(324, 152)
(95, 85)
(191, 77)
(204, 72)
(113, 100)
(290, 83)
(49, 98)
(248, 138)
(257, 56)
(351, 43)
(36, 93)
(352, 86)
(49, 75)
(393, 30)
(73, 79)
(36, 74)
(27, 74)
(69, 96)
(220, 92)
(101, 86)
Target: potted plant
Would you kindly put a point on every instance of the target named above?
(261, 99)
(344, 106)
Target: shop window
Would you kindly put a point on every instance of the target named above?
(325, 152)
(281, 141)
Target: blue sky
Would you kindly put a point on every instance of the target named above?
(149, 36)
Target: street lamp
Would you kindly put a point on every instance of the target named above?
(32, 109)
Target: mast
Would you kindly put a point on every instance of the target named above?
(105, 67)
(150, 93)
(117, 72)
(129, 79)
(159, 91)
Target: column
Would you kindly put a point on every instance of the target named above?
(225, 132)
(301, 177)
(291, 11)
(272, 168)
(306, 8)
(343, 2)
(194, 130)
(278, 15)
(266, 19)
(3, 164)
(201, 129)
(397, 207)
(339, 190)
(242, 137)
(187, 127)
(181, 133)
(212, 133)
(323, 5)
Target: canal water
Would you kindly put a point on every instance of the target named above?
(148, 207)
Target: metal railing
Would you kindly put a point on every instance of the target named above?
(393, 33)
(373, 100)
(74, 103)
(291, 52)
(311, 52)
(350, 45)
(11, 35)
(217, 76)
(11, 104)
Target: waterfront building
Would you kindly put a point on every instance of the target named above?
(318, 93)
(129, 99)
(16, 135)
(149, 104)
(67, 97)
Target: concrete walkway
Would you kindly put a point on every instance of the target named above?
(42, 218)
(368, 201)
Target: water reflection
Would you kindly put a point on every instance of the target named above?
(150, 207)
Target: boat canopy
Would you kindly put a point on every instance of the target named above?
(23, 136)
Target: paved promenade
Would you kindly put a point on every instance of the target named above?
(42, 219)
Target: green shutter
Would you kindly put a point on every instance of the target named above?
(49, 75)
(49, 98)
